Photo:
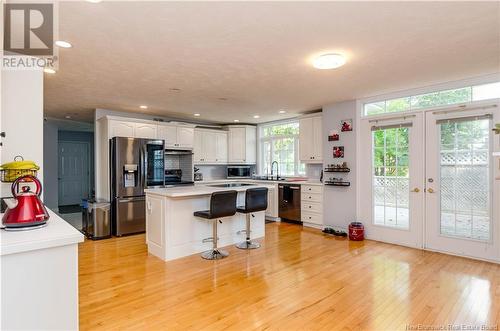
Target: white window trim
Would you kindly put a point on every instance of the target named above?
(425, 90)
(261, 140)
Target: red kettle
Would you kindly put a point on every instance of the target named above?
(25, 209)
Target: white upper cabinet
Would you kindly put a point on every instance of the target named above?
(237, 150)
(210, 146)
(198, 147)
(169, 134)
(242, 144)
(145, 130)
(311, 139)
(185, 137)
(221, 147)
(176, 136)
(121, 129)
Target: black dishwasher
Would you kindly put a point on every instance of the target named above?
(289, 203)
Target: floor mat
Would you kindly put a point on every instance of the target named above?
(70, 209)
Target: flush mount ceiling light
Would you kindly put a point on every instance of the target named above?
(143, 107)
(94, 1)
(282, 111)
(63, 44)
(256, 116)
(68, 117)
(197, 115)
(329, 61)
(236, 121)
(49, 71)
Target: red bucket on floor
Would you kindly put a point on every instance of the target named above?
(356, 231)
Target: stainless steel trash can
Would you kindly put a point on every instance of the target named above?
(96, 221)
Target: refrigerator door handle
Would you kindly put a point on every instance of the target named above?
(123, 200)
(144, 164)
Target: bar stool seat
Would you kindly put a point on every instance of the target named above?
(222, 204)
(255, 201)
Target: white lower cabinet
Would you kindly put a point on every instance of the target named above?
(154, 224)
(312, 205)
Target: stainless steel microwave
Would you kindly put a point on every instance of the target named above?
(239, 172)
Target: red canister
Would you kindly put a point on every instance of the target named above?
(356, 231)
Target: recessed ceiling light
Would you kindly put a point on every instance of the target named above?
(49, 71)
(67, 116)
(282, 111)
(256, 116)
(175, 89)
(94, 1)
(63, 44)
(236, 121)
(143, 107)
(222, 99)
(197, 115)
(329, 61)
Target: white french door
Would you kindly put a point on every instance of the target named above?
(460, 189)
(430, 180)
(392, 168)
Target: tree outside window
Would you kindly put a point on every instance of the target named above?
(280, 142)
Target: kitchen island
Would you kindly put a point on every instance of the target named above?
(172, 231)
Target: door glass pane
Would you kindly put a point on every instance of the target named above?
(465, 185)
(155, 172)
(391, 177)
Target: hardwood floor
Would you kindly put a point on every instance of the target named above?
(298, 280)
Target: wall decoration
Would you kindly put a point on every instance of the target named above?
(346, 125)
(333, 136)
(338, 152)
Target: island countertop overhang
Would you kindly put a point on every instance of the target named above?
(199, 190)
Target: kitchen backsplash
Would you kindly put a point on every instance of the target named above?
(213, 172)
(313, 171)
(183, 162)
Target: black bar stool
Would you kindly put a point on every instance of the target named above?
(222, 204)
(255, 200)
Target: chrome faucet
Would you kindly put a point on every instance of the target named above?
(277, 170)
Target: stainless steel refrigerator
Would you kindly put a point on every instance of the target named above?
(135, 164)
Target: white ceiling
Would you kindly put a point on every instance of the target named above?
(257, 54)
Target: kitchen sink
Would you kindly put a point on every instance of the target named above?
(231, 185)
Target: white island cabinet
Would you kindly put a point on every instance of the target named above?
(172, 231)
(39, 277)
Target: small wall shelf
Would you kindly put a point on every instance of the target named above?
(345, 184)
(337, 170)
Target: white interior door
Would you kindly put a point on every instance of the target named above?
(392, 167)
(73, 172)
(460, 190)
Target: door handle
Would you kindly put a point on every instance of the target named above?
(430, 190)
(416, 190)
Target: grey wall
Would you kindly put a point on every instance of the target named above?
(340, 202)
(50, 187)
